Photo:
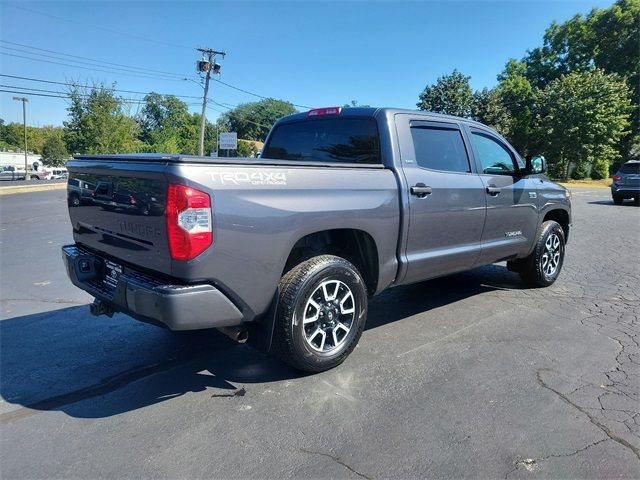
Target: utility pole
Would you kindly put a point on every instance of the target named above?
(206, 65)
(24, 101)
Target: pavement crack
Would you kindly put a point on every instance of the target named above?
(531, 464)
(337, 460)
(607, 431)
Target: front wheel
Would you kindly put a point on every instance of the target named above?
(543, 266)
(321, 313)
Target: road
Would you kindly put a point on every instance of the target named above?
(467, 376)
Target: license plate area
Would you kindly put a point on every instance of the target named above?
(112, 272)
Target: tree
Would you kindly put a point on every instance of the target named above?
(518, 98)
(489, 109)
(583, 116)
(54, 153)
(98, 123)
(355, 104)
(252, 121)
(451, 94)
(165, 124)
(605, 38)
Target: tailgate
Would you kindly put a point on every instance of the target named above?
(117, 208)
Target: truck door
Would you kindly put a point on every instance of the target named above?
(512, 204)
(446, 199)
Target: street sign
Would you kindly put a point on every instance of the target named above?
(228, 141)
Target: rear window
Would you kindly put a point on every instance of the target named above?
(330, 140)
(631, 168)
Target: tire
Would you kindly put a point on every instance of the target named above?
(543, 266)
(74, 201)
(617, 199)
(636, 201)
(321, 313)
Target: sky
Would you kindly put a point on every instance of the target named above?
(311, 53)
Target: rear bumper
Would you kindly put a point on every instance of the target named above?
(625, 190)
(151, 300)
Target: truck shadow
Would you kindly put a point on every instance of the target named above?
(65, 360)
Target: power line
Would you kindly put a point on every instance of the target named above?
(255, 94)
(90, 64)
(91, 69)
(29, 79)
(139, 37)
(56, 94)
(87, 58)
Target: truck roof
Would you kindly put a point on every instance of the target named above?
(374, 111)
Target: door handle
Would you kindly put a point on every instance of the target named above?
(493, 191)
(420, 190)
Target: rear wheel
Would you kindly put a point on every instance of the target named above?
(618, 199)
(321, 313)
(636, 200)
(543, 266)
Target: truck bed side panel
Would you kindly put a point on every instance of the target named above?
(260, 212)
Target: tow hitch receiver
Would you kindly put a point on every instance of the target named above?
(98, 307)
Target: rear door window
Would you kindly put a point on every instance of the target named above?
(439, 148)
(330, 140)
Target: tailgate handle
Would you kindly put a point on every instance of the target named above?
(420, 190)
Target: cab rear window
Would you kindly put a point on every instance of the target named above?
(330, 140)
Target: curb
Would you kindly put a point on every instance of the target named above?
(31, 188)
(583, 185)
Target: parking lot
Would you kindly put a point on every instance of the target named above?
(467, 376)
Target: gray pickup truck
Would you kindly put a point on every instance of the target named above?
(286, 249)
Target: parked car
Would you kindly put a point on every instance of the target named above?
(286, 249)
(12, 173)
(79, 192)
(121, 195)
(626, 183)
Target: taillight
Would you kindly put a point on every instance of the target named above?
(317, 112)
(189, 225)
(616, 178)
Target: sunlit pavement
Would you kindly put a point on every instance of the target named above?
(467, 376)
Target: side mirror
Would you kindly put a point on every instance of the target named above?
(536, 165)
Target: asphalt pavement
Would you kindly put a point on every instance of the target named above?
(467, 376)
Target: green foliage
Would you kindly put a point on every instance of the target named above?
(252, 121)
(167, 126)
(246, 149)
(451, 94)
(582, 117)
(518, 97)
(607, 39)
(54, 152)
(355, 104)
(489, 109)
(98, 122)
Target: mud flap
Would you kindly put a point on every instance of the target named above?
(261, 331)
